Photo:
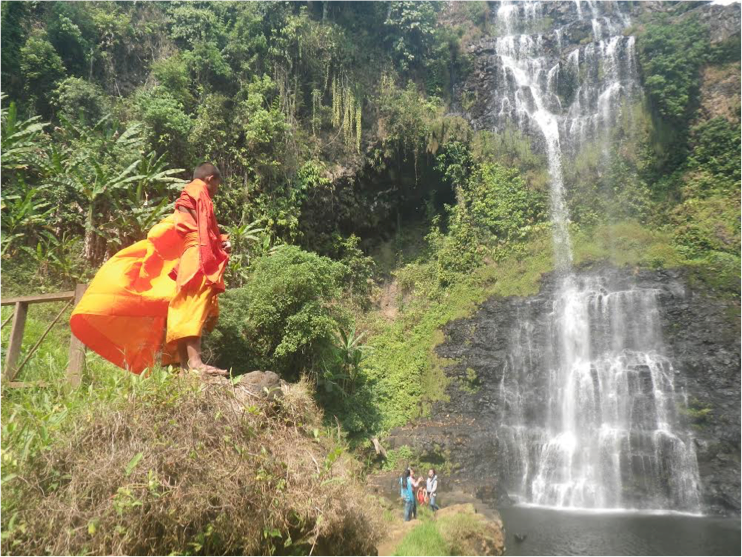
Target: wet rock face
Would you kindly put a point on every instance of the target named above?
(700, 336)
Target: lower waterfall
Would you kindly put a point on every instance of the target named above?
(608, 434)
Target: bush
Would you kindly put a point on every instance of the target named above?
(168, 125)
(80, 100)
(501, 203)
(285, 317)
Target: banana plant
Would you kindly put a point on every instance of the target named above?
(140, 205)
(56, 252)
(20, 214)
(103, 182)
(19, 139)
(243, 238)
(347, 354)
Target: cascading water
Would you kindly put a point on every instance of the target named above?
(608, 435)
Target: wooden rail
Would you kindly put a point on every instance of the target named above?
(77, 349)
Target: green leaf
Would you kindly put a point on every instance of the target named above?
(93, 526)
(133, 463)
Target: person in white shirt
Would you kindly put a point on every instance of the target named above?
(415, 484)
(432, 488)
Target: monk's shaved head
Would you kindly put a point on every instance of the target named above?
(206, 169)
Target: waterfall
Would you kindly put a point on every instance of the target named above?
(608, 434)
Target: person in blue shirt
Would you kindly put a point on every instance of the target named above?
(407, 493)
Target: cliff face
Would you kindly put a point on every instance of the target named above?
(700, 340)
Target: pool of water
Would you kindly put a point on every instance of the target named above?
(559, 532)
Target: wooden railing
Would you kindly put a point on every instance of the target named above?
(77, 349)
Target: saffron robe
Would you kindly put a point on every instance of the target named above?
(153, 293)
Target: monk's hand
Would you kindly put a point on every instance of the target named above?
(227, 246)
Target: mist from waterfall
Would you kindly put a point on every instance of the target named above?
(609, 436)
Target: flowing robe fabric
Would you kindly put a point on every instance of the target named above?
(151, 294)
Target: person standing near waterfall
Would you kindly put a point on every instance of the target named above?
(432, 489)
(408, 495)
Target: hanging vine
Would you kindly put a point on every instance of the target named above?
(346, 113)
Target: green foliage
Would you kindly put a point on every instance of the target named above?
(66, 26)
(81, 101)
(671, 56)
(284, 318)
(168, 125)
(42, 70)
(21, 140)
(14, 19)
(500, 203)
(410, 31)
(399, 458)
(696, 412)
(715, 148)
(341, 370)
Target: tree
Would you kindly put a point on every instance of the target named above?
(14, 18)
(42, 70)
(81, 101)
(671, 57)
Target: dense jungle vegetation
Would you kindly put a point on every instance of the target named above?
(364, 210)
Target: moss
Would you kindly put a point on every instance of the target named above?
(470, 384)
(463, 532)
(697, 413)
(626, 243)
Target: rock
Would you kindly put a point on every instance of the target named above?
(261, 383)
(248, 387)
(520, 538)
(723, 22)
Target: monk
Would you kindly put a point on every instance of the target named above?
(154, 299)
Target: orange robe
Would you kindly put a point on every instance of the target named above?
(157, 291)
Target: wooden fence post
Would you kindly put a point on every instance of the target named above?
(77, 348)
(16, 338)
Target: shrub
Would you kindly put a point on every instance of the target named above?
(284, 318)
(501, 203)
(168, 125)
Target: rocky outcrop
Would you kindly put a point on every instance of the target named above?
(723, 22)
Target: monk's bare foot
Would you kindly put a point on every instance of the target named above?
(211, 370)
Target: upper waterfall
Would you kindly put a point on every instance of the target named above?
(560, 93)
